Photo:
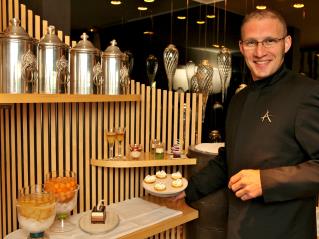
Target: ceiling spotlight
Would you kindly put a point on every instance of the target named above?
(200, 22)
(181, 17)
(261, 7)
(215, 45)
(298, 5)
(116, 2)
(210, 16)
(149, 0)
(148, 33)
(142, 8)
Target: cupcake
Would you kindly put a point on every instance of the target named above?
(150, 179)
(176, 175)
(161, 174)
(160, 186)
(177, 183)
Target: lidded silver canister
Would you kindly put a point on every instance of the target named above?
(18, 65)
(53, 64)
(85, 68)
(111, 65)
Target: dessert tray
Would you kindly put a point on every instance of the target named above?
(170, 191)
(112, 220)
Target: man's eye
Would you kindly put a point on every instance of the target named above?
(269, 41)
(251, 43)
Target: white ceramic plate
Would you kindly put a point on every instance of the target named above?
(170, 191)
(112, 220)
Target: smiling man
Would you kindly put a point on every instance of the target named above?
(271, 160)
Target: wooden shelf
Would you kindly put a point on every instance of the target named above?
(188, 214)
(64, 98)
(146, 160)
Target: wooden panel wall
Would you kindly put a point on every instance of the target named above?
(38, 138)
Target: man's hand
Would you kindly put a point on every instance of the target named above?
(179, 196)
(246, 184)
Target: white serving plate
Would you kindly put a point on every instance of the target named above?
(112, 220)
(170, 191)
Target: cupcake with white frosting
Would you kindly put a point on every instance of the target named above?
(176, 175)
(150, 179)
(159, 186)
(177, 183)
(161, 174)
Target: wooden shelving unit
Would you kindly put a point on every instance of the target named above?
(146, 160)
(64, 98)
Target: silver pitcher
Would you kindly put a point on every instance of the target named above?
(111, 65)
(18, 65)
(85, 70)
(53, 64)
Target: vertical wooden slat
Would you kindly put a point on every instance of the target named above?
(111, 170)
(81, 140)
(38, 143)
(200, 118)
(175, 122)
(13, 165)
(147, 118)
(37, 27)
(74, 134)
(30, 23)
(194, 112)
(23, 16)
(181, 119)
(25, 145)
(164, 115)
(10, 9)
(4, 14)
(46, 152)
(142, 103)
(19, 146)
(187, 122)
(158, 114)
(93, 149)
(3, 180)
(44, 27)
(60, 35)
(16, 9)
(8, 172)
(31, 144)
(67, 40)
(153, 112)
(99, 150)
(1, 30)
(60, 138)
(105, 148)
(87, 155)
(53, 137)
(67, 134)
(169, 119)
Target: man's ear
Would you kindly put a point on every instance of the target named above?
(241, 48)
(288, 42)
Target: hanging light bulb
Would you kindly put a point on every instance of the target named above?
(170, 57)
(224, 69)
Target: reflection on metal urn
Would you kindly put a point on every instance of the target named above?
(53, 64)
(111, 65)
(18, 67)
(83, 58)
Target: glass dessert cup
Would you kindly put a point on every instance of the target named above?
(36, 210)
(120, 132)
(65, 189)
(135, 150)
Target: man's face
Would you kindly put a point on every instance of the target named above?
(264, 61)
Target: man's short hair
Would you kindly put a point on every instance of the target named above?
(262, 14)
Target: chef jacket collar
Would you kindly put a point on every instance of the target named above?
(270, 80)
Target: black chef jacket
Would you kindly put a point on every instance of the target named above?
(272, 125)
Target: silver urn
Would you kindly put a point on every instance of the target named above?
(53, 64)
(111, 65)
(85, 68)
(18, 65)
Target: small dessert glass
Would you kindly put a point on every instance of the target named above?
(135, 151)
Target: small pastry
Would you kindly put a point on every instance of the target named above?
(176, 175)
(161, 174)
(150, 179)
(160, 186)
(177, 183)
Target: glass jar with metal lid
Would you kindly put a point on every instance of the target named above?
(18, 66)
(111, 65)
(53, 63)
(85, 68)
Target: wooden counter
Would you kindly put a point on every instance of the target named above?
(189, 214)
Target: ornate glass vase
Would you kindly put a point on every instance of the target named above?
(204, 75)
(224, 69)
(170, 57)
(151, 69)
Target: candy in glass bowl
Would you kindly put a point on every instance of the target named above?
(36, 210)
(65, 188)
